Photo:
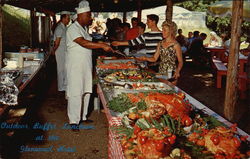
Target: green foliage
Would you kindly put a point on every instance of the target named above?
(218, 24)
(16, 29)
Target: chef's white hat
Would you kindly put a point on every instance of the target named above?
(83, 7)
(64, 12)
(74, 17)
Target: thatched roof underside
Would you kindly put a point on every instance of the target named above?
(96, 5)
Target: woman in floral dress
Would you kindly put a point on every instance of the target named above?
(169, 52)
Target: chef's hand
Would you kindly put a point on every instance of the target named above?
(115, 43)
(107, 48)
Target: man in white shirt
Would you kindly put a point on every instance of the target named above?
(79, 65)
(59, 49)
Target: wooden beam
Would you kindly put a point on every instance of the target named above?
(169, 10)
(139, 10)
(46, 11)
(232, 71)
(1, 36)
(32, 27)
(124, 18)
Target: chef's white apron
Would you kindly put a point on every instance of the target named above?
(79, 74)
(60, 54)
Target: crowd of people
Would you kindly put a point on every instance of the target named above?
(73, 50)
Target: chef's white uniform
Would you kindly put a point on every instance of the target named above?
(60, 32)
(79, 73)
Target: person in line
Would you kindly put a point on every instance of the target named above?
(139, 49)
(196, 35)
(198, 51)
(149, 39)
(59, 49)
(181, 39)
(79, 65)
(189, 38)
(134, 31)
(168, 50)
(141, 27)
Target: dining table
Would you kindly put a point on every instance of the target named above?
(216, 51)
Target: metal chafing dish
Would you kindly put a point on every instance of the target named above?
(118, 61)
(139, 87)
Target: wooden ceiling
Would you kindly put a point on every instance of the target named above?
(95, 5)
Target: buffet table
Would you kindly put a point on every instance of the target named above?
(115, 149)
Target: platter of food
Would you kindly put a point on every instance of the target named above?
(164, 124)
(131, 87)
(117, 65)
(130, 75)
(107, 61)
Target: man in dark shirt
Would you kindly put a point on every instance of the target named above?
(197, 50)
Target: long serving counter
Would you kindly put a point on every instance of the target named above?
(29, 71)
(115, 119)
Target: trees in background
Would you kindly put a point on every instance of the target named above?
(217, 24)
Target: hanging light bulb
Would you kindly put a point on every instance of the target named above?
(116, 1)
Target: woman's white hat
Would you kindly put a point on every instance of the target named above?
(83, 7)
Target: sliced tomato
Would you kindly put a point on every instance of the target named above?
(236, 142)
(127, 145)
(166, 132)
(215, 139)
(243, 138)
(159, 145)
(204, 131)
(143, 139)
(186, 120)
(137, 129)
(171, 139)
(219, 156)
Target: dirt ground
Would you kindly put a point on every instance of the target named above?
(93, 143)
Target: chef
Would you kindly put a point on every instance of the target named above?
(79, 65)
(59, 49)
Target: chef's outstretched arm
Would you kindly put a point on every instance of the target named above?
(92, 45)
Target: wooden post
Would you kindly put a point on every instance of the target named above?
(169, 10)
(124, 19)
(32, 35)
(232, 71)
(139, 10)
(1, 36)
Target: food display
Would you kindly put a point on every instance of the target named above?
(156, 121)
(130, 75)
(117, 65)
(144, 85)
